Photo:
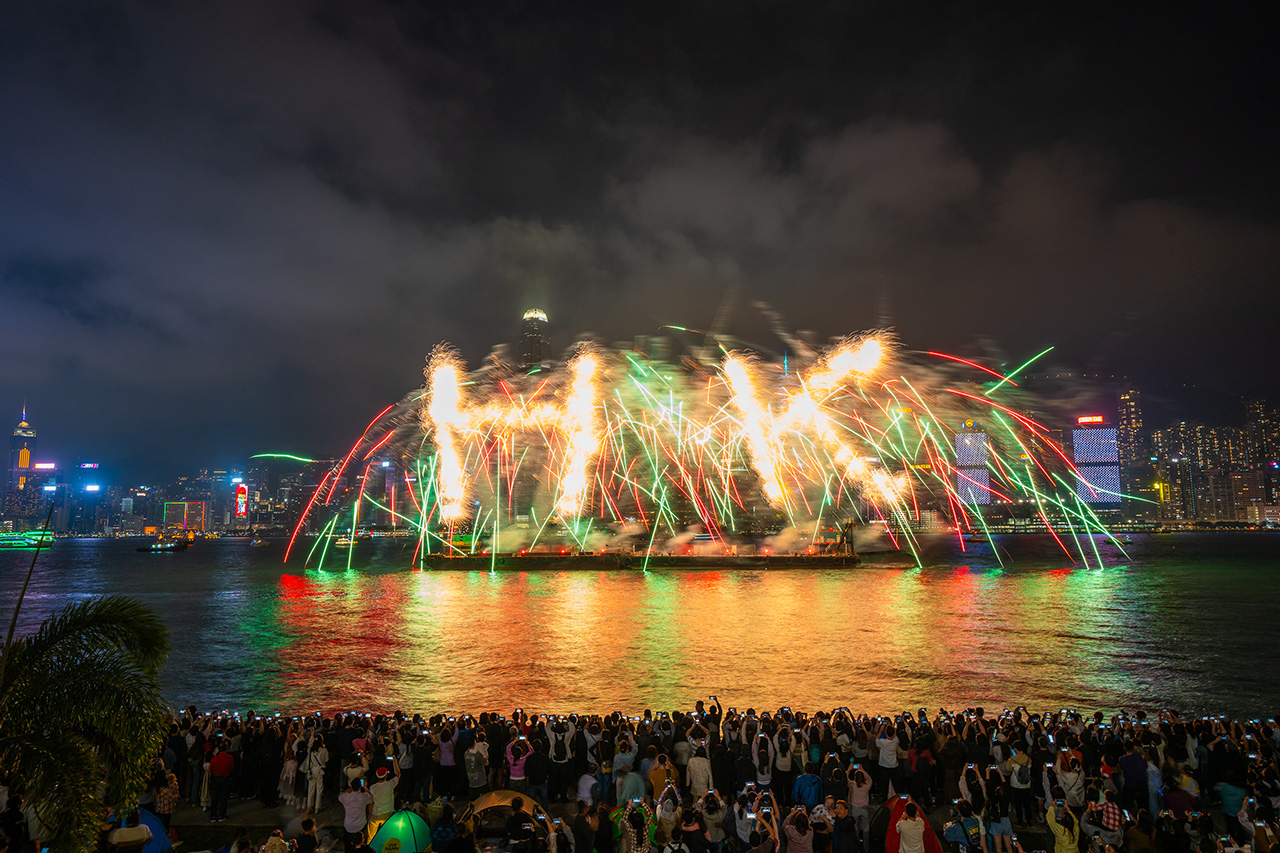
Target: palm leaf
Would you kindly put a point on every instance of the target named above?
(115, 621)
(81, 715)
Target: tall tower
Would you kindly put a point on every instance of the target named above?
(535, 339)
(21, 449)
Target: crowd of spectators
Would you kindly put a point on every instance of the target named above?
(716, 779)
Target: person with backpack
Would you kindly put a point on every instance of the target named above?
(966, 833)
(475, 763)
(1017, 770)
(560, 734)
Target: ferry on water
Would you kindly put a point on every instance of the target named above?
(32, 539)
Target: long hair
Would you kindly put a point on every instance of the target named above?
(762, 760)
(974, 783)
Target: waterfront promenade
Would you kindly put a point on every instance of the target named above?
(1157, 774)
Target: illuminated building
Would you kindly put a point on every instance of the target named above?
(1262, 429)
(535, 339)
(1096, 457)
(22, 494)
(184, 516)
(1178, 491)
(1130, 437)
(1248, 490)
(973, 477)
(21, 449)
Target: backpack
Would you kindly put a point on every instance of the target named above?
(474, 763)
(559, 752)
(1022, 775)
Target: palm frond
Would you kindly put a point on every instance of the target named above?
(81, 716)
(113, 621)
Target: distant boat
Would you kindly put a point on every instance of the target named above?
(34, 539)
(257, 542)
(164, 546)
(343, 542)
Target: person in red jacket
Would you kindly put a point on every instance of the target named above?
(220, 767)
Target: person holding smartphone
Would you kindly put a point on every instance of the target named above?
(383, 792)
(356, 802)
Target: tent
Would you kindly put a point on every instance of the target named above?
(885, 825)
(403, 832)
(159, 842)
(487, 815)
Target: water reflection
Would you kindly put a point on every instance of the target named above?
(1154, 628)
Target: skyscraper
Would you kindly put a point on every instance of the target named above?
(535, 339)
(1262, 430)
(21, 449)
(1131, 439)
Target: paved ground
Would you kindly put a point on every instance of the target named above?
(197, 833)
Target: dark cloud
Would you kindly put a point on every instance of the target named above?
(240, 227)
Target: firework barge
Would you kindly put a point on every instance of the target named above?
(614, 562)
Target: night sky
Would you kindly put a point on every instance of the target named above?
(240, 226)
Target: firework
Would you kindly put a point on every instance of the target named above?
(616, 444)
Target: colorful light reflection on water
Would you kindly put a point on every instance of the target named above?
(1185, 628)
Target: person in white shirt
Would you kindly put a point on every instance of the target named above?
(911, 830)
(887, 746)
(384, 795)
(355, 807)
(587, 785)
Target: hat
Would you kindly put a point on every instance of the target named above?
(382, 771)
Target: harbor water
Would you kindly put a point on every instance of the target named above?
(1180, 620)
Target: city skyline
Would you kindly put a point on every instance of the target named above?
(529, 347)
(212, 239)
(1132, 468)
